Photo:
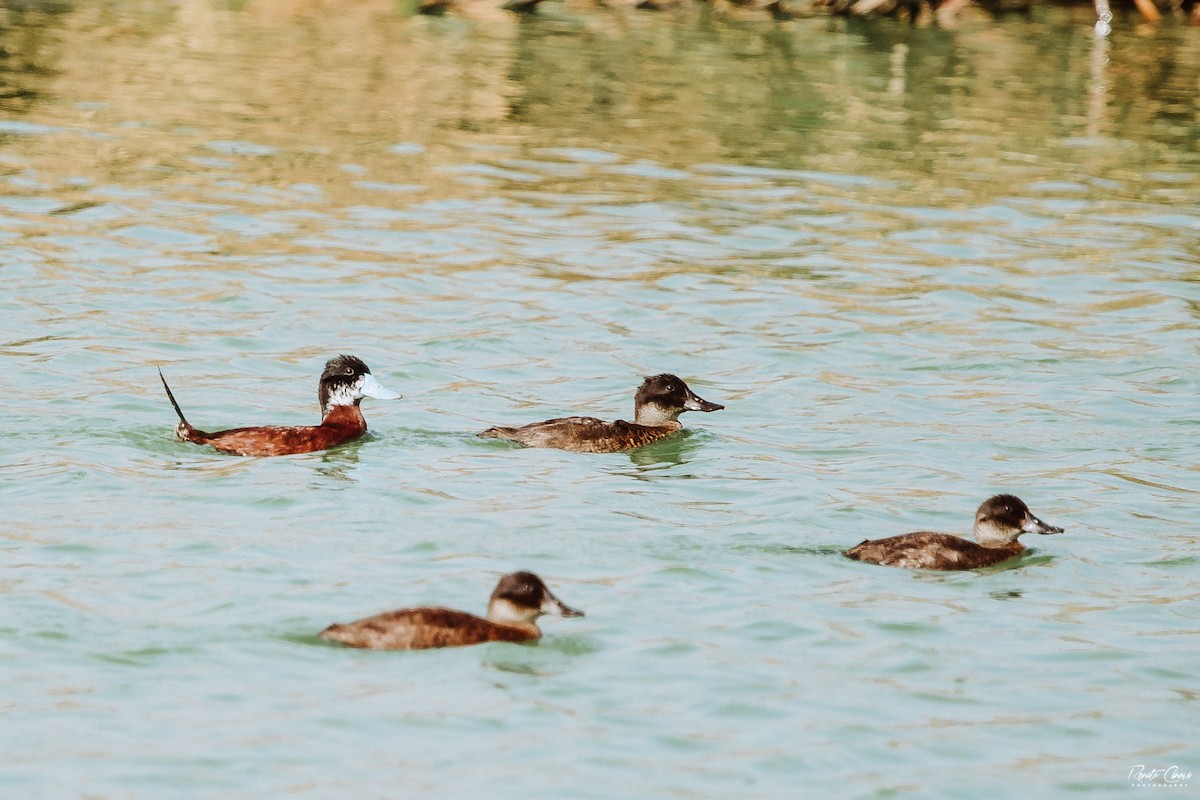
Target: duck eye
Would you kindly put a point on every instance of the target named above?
(348, 371)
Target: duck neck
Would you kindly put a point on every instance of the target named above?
(502, 612)
(988, 534)
(345, 416)
(655, 416)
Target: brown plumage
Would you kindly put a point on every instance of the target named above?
(521, 6)
(927, 550)
(422, 628)
(999, 522)
(342, 424)
(518, 600)
(657, 405)
(344, 383)
(584, 434)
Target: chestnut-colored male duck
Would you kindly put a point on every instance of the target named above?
(519, 599)
(656, 407)
(344, 383)
(998, 524)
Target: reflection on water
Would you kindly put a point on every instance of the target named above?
(284, 85)
(919, 266)
(341, 462)
(1097, 109)
(670, 452)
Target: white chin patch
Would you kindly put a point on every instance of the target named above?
(504, 611)
(342, 396)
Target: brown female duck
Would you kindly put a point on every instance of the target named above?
(517, 602)
(657, 405)
(999, 522)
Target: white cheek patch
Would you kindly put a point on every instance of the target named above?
(989, 534)
(506, 612)
(654, 414)
(343, 395)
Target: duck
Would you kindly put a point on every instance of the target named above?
(999, 522)
(517, 602)
(656, 408)
(345, 381)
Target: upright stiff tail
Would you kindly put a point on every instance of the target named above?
(184, 428)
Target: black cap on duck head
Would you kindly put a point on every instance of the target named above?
(346, 381)
(670, 393)
(1009, 514)
(522, 597)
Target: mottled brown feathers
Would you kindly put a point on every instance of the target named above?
(513, 609)
(422, 628)
(926, 550)
(658, 403)
(999, 522)
(584, 434)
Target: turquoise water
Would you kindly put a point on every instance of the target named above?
(915, 267)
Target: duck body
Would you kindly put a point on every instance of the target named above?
(515, 605)
(342, 424)
(999, 521)
(585, 434)
(657, 405)
(424, 628)
(928, 550)
(344, 383)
